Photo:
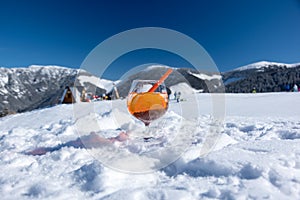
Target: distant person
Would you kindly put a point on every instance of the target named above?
(169, 92)
(295, 88)
(287, 87)
(254, 90)
(178, 96)
(105, 97)
(175, 95)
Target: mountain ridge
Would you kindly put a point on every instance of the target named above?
(263, 77)
(262, 64)
(25, 89)
(38, 86)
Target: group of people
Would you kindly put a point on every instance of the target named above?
(91, 97)
(286, 87)
(177, 96)
(295, 88)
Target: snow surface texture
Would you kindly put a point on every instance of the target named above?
(256, 156)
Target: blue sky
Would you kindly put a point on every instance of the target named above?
(233, 32)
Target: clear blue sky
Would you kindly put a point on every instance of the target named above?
(234, 32)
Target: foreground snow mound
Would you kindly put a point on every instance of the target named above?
(256, 155)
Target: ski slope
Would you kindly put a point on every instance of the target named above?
(254, 155)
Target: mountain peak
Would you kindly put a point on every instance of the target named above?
(155, 66)
(48, 67)
(262, 64)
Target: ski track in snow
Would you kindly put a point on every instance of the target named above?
(257, 155)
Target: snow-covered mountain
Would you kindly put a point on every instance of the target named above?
(23, 89)
(263, 76)
(265, 64)
(197, 81)
(256, 154)
(74, 151)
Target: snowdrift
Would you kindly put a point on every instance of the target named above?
(256, 155)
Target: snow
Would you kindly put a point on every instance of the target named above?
(255, 156)
(155, 66)
(183, 88)
(206, 77)
(261, 64)
(3, 79)
(3, 91)
(47, 67)
(101, 83)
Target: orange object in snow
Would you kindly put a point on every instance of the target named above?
(148, 106)
(141, 102)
